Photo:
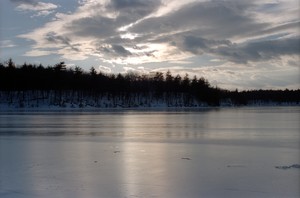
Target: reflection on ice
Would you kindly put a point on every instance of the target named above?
(263, 126)
(212, 153)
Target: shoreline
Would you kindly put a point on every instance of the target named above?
(5, 107)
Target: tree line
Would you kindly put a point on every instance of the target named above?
(59, 78)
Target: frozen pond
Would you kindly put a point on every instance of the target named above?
(222, 152)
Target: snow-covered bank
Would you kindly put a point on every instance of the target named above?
(76, 99)
(72, 100)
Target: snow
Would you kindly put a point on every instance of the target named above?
(76, 100)
(70, 100)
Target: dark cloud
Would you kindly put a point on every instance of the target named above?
(134, 9)
(120, 4)
(97, 27)
(216, 19)
(260, 51)
(105, 28)
(52, 37)
(198, 45)
(120, 50)
(114, 51)
(209, 27)
(279, 28)
(239, 53)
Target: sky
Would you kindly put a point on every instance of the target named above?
(235, 44)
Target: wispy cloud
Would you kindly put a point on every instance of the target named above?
(41, 8)
(104, 69)
(7, 44)
(37, 52)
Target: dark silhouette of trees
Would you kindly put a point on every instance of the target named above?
(130, 88)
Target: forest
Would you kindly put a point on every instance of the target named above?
(31, 85)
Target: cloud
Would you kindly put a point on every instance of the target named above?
(198, 45)
(7, 44)
(42, 8)
(37, 53)
(92, 27)
(104, 69)
(214, 19)
(133, 10)
(243, 52)
(52, 37)
(39, 6)
(115, 52)
(135, 32)
(43, 13)
(120, 50)
(260, 51)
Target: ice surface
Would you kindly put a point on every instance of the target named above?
(84, 167)
(215, 153)
(288, 167)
